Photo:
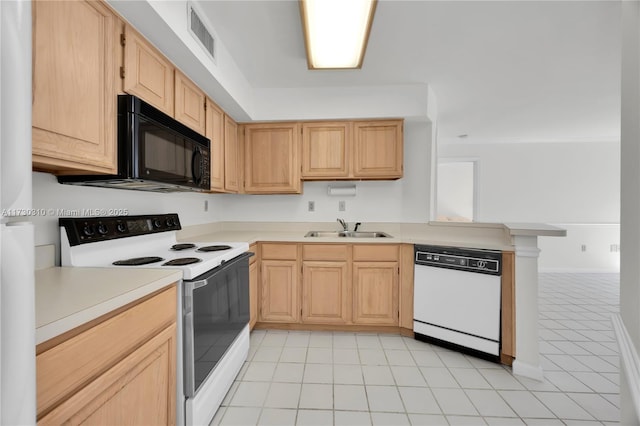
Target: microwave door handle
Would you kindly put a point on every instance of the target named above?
(196, 166)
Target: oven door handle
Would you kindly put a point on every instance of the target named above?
(188, 341)
(199, 284)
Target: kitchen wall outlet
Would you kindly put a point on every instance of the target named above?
(342, 206)
(614, 248)
(206, 205)
(312, 206)
(583, 247)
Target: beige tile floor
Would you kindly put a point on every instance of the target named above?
(324, 378)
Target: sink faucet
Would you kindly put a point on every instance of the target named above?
(345, 225)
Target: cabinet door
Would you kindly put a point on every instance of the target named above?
(272, 160)
(231, 175)
(375, 293)
(378, 152)
(508, 310)
(253, 293)
(325, 292)
(215, 133)
(325, 150)
(140, 389)
(74, 86)
(189, 103)
(279, 293)
(147, 73)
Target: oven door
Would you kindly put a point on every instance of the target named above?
(215, 311)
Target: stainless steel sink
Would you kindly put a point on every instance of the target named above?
(347, 234)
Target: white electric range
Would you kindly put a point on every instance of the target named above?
(213, 297)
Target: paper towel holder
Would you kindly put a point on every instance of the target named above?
(342, 190)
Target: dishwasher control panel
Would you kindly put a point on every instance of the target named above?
(471, 260)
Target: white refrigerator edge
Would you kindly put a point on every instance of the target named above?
(17, 277)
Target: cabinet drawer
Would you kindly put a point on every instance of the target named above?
(375, 252)
(253, 248)
(324, 252)
(279, 251)
(70, 365)
(146, 376)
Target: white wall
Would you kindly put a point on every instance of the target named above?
(455, 190)
(573, 185)
(406, 199)
(630, 211)
(48, 194)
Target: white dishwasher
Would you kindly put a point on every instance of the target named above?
(457, 297)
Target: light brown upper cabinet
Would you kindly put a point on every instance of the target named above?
(215, 132)
(189, 103)
(378, 149)
(231, 157)
(147, 73)
(223, 133)
(352, 150)
(272, 158)
(326, 150)
(74, 87)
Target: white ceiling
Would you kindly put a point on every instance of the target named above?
(501, 70)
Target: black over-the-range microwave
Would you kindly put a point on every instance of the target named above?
(155, 153)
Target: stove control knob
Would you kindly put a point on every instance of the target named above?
(103, 229)
(170, 222)
(88, 230)
(121, 227)
(156, 223)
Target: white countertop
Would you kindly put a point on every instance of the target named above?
(535, 229)
(69, 297)
(471, 235)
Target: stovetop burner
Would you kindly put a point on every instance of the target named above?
(138, 261)
(214, 248)
(182, 261)
(183, 246)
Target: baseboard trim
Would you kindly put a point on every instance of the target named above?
(578, 271)
(334, 327)
(629, 360)
(534, 372)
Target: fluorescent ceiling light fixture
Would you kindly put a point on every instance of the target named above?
(336, 31)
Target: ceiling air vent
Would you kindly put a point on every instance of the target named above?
(201, 32)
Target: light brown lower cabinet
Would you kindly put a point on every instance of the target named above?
(375, 293)
(508, 301)
(326, 284)
(121, 369)
(279, 291)
(338, 284)
(325, 292)
(134, 391)
(376, 276)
